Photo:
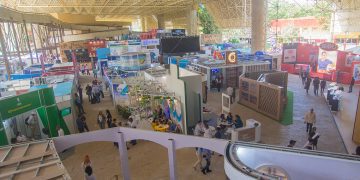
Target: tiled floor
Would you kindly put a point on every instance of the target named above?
(149, 161)
(276, 134)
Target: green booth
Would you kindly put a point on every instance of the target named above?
(40, 107)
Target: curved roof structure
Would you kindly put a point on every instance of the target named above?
(226, 13)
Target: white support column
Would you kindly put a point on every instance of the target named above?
(172, 159)
(258, 25)
(123, 156)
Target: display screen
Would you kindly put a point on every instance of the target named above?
(178, 32)
(180, 44)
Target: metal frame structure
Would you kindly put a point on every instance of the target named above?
(35, 160)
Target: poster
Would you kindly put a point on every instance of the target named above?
(349, 59)
(356, 72)
(211, 38)
(118, 50)
(289, 55)
(327, 61)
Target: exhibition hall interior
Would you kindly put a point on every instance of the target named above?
(180, 89)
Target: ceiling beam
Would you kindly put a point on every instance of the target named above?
(98, 6)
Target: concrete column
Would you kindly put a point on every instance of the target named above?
(160, 21)
(258, 25)
(123, 156)
(208, 77)
(172, 159)
(4, 53)
(192, 22)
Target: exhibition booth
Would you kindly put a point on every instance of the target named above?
(30, 116)
(265, 92)
(324, 61)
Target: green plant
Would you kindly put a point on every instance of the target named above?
(206, 21)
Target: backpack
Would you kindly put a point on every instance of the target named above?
(27, 121)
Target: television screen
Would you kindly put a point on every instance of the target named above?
(180, 44)
(178, 32)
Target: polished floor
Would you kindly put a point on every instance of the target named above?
(149, 161)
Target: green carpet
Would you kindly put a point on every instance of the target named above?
(287, 117)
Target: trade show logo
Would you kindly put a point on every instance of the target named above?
(231, 57)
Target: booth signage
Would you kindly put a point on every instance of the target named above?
(211, 38)
(328, 46)
(178, 32)
(231, 57)
(13, 106)
(150, 42)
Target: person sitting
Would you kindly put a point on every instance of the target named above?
(205, 110)
(229, 118)
(238, 122)
(160, 111)
(20, 138)
(222, 118)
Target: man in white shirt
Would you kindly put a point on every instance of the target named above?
(30, 122)
(60, 131)
(208, 131)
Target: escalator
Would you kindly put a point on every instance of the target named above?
(258, 161)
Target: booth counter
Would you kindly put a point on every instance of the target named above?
(250, 133)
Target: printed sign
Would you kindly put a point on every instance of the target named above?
(349, 59)
(289, 55)
(356, 72)
(326, 61)
(211, 38)
(231, 57)
(150, 42)
(178, 32)
(328, 46)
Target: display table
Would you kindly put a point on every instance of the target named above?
(250, 133)
(333, 96)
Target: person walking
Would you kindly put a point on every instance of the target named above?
(86, 164)
(198, 128)
(303, 77)
(132, 124)
(316, 84)
(89, 175)
(310, 120)
(351, 84)
(313, 138)
(80, 123)
(83, 118)
(322, 86)
(95, 71)
(101, 120)
(218, 84)
(80, 90)
(199, 154)
(108, 118)
(88, 90)
(307, 84)
(79, 104)
(207, 155)
(87, 70)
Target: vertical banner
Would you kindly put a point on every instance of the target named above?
(289, 55)
(327, 57)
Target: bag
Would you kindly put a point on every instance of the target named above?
(27, 121)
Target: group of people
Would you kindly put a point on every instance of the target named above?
(217, 82)
(204, 130)
(312, 135)
(306, 81)
(107, 119)
(95, 91)
(159, 118)
(85, 69)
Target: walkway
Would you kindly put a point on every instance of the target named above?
(147, 160)
(276, 134)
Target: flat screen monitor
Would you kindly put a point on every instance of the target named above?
(186, 44)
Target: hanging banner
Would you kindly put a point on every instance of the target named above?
(211, 38)
(326, 61)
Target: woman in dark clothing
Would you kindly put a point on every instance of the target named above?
(322, 86)
(108, 118)
(307, 85)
